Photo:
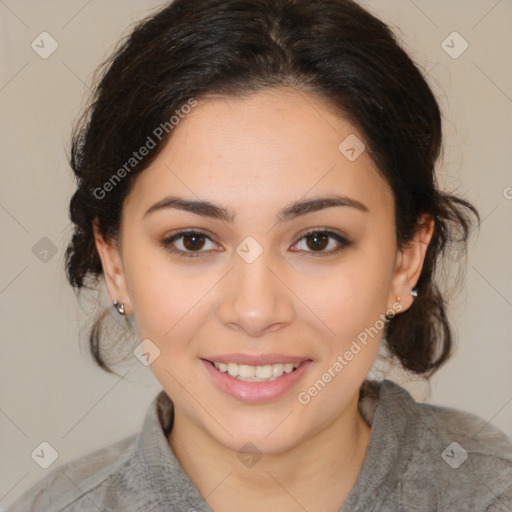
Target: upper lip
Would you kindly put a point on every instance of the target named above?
(259, 360)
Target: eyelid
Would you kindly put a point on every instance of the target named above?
(322, 229)
(185, 231)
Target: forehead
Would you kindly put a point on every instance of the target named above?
(265, 149)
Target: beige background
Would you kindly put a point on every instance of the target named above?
(49, 388)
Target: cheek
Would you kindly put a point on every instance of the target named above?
(350, 299)
(162, 296)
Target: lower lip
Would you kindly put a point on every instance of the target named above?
(255, 392)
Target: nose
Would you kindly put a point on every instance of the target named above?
(256, 298)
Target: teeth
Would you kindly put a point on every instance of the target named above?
(288, 367)
(248, 373)
(233, 369)
(245, 371)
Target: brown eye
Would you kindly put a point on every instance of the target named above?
(193, 241)
(188, 244)
(317, 241)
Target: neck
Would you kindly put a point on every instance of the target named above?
(316, 474)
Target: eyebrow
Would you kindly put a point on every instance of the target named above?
(292, 211)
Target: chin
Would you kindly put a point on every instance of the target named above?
(269, 436)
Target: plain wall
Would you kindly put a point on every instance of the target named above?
(49, 388)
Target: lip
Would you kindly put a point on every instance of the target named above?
(255, 392)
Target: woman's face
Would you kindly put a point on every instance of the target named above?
(248, 284)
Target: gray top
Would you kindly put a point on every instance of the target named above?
(421, 457)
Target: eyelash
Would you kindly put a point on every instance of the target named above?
(167, 243)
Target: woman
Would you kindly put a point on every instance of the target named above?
(256, 186)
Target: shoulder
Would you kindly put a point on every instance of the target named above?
(83, 478)
(461, 458)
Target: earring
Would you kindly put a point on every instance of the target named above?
(120, 307)
(414, 293)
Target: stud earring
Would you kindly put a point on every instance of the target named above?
(414, 293)
(120, 307)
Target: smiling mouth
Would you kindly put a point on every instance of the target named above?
(263, 373)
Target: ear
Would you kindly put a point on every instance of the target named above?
(113, 270)
(410, 263)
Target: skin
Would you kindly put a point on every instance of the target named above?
(256, 155)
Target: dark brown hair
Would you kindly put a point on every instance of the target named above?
(335, 48)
